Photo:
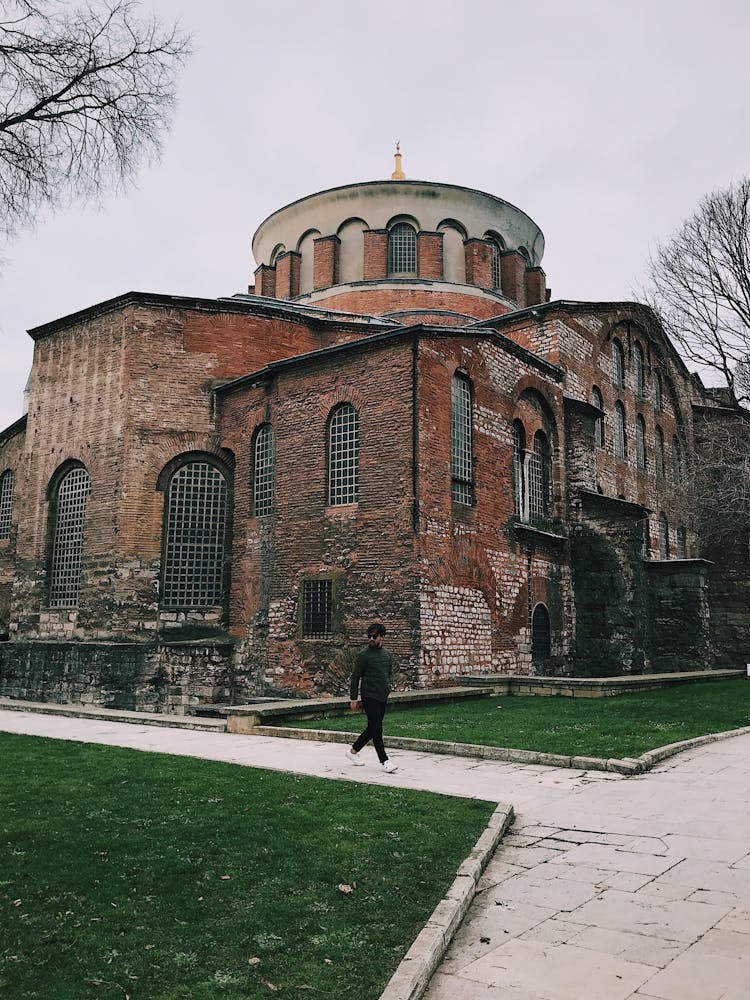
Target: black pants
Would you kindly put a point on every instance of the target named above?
(374, 710)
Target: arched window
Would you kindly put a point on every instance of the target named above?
(676, 461)
(541, 635)
(525, 254)
(7, 483)
(663, 537)
(194, 537)
(596, 399)
(462, 466)
(402, 249)
(639, 371)
(640, 442)
(682, 542)
(343, 456)
(656, 384)
(263, 471)
(659, 453)
(618, 364)
(497, 248)
(519, 448)
(69, 516)
(539, 477)
(620, 437)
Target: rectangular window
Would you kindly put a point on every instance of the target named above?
(461, 463)
(317, 609)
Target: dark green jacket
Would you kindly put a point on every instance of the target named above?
(373, 671)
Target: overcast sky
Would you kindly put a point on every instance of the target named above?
(605, 121)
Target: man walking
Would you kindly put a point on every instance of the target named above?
(372, 673)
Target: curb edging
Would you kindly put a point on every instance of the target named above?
(626, 766)
(411, 978)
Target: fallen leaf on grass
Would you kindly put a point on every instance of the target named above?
(254, 960)
(17, 902)
(328, 961)
(224, 877)
(270, 985)
(345, 889)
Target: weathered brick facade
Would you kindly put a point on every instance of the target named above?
(491, 521)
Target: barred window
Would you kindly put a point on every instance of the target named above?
(495, 263)
(462, 490)
(620, 437)
(263, 471)
(618, 364)
(638, 371)
(541, 635)
(67, 538)
(539, 477)
(682, 543)
(195, 529)
(640, 442)
(317, 609)
(519, 447)
(676, 461)
(663, 537)
(7, 483)
(596, 399)
(659, 453)
(658, 400)
(402, 249)
(343, 456)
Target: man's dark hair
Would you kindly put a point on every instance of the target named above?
(377, 628)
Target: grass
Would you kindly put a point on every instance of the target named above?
(622, 726)
(139, 875)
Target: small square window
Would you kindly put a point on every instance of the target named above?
(317, 609)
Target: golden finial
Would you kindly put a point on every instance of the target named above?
(398, 174)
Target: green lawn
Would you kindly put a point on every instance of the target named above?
(622, 726)
(139, 875)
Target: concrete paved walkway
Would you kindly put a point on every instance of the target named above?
(608, 888)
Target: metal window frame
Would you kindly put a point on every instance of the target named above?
(462, 456)
(66, 552)
(316, 612)
(343, 456)
(402, 249)
(264, 461)
(196, 516)
(7, 488)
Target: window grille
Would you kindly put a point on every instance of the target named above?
(541, 635)
(263, 467)
(495, 264)
(67, 541)
(519, 445)
(663, 537)
(317, 609)
(638, 372)
(658, 400)
(620, 440)
(681, 543)
(194, 537)
(343, 456)
(402, 249)
(640, 442)
(596, 399)
(461, 459)
(618, 364)
(7, 483)
(659, 453)
(539, 478)
(676, 461)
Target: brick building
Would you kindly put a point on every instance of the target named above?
(209, 499)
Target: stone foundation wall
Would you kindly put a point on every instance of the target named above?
(170, 678)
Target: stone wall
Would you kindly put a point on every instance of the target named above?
(169, 677)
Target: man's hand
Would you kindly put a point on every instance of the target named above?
(354, 705)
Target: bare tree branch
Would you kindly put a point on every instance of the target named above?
(86, 96)
(699, 283)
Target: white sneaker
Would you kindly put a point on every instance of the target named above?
(355, 759)
(389, 767)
